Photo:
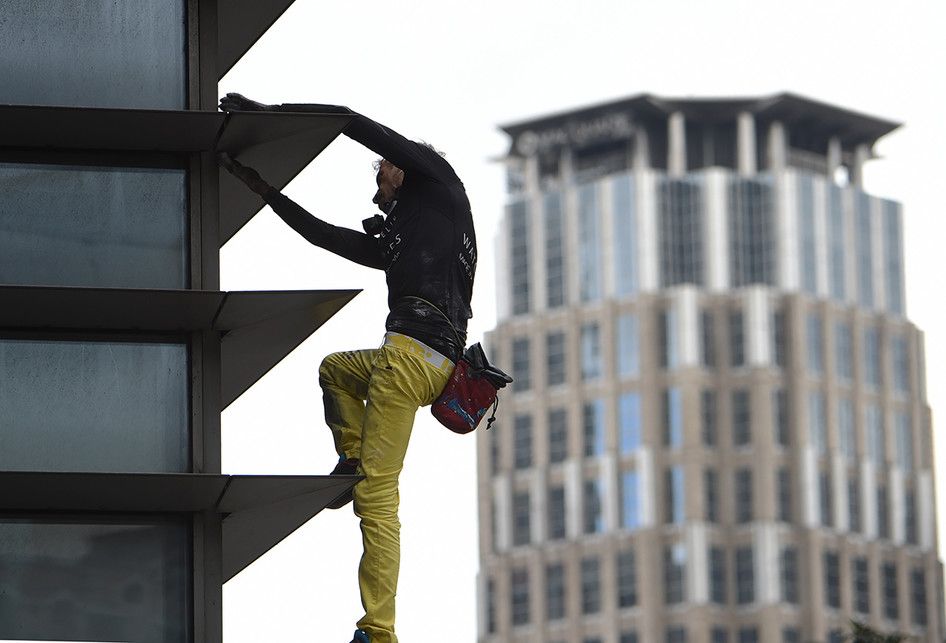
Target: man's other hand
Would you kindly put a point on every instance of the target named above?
(234, 102)
(246, 174)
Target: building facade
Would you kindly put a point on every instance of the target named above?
(118, 351)
(718, 431)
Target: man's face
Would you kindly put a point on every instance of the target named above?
(389, 179)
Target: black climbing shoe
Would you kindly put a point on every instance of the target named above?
(347, 467)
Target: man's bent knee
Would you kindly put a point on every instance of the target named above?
(328, 368)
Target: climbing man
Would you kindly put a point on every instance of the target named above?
(426, 245)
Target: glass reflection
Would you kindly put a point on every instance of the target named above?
(113, 227)
(93, 406)
(94, 53)
(100, 582)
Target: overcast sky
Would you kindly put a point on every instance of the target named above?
(449, 73)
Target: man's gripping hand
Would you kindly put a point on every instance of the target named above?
(234, 102)
(248, 175)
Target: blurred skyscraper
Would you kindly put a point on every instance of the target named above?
(719, 429)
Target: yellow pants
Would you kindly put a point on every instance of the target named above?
(371, 397)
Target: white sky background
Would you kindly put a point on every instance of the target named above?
(449, 73)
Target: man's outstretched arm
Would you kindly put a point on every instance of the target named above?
(350, 244)
(406, 154)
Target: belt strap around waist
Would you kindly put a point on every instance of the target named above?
(419, 349)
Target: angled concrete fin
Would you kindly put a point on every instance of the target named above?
(251, 532)
(240, 23)
(267, 326)
(278, 145)
(109, 492)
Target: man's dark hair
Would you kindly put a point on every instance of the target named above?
(377, 164)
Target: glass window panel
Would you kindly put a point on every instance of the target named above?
(837, 243)
(593, 518)
(629, 408)
(627, 579)
(521, 524)
(806, 227)
(817, 422)
(909, 517)
(520, 596)
(708, 416)
(675, 559)
(872, 356)
(883, 513)
(832, 579)
(751, 232)
(708, 338)
(861, 585)
(780, 410)
(904, 430)
(555, 358)
(556, 513)
(555, 591)
(737, 346)
(522, 441)
(779, 338)
(491, 606)
(94, 406)
(674, 495)
(854, 504)
(590, 586)
(745, 576)
(590, 341)
(630, 500)
(558, 435)
(114, 227)
(519, 257)
(918, 596)
(680, 213)
(94, 53)
(521, 365)
(846, 433)
(748, 635)
(843, 351)
(717, 575)
(784, 494)
(628, 346)
(667, 327)
(593, 429)
(589, 244)
(875, 435)
(891, 598)
(625, 229)
(554, 250)
(893, 256)
(101, 581)
(741, 418)
(711, 495)
(673, 418)
(900, 361)
(864, 250)
(815, 342)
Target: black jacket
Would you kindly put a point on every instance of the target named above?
(427, 246)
